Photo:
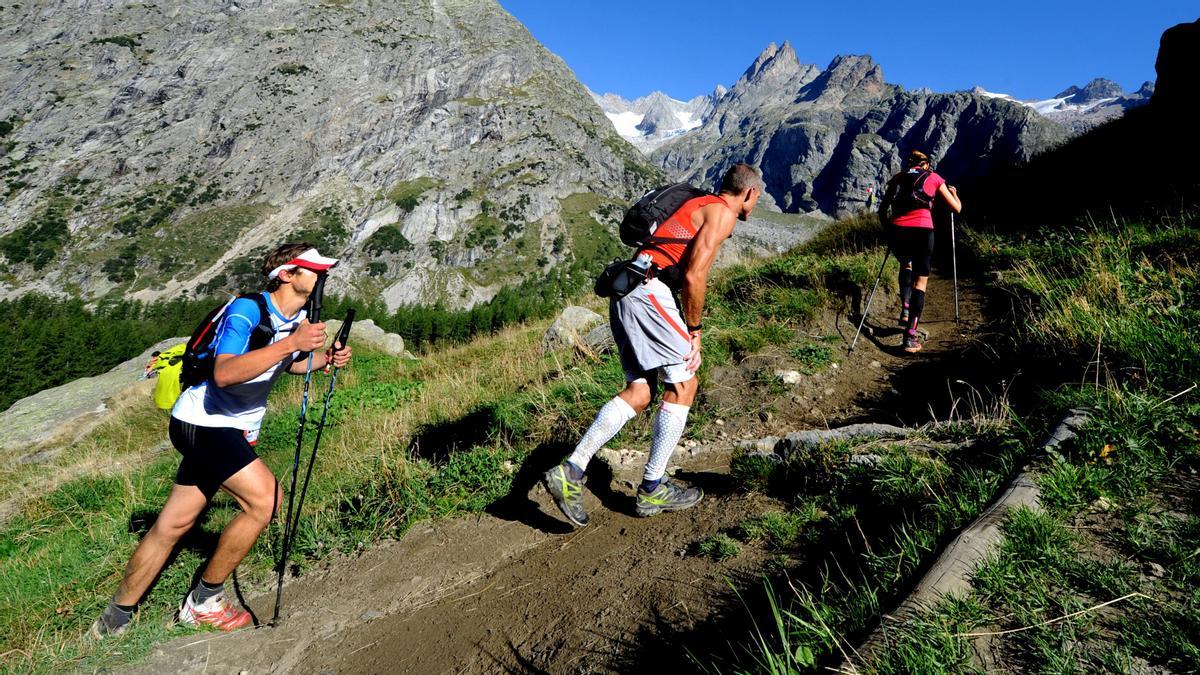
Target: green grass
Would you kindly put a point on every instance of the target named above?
(719, 547)
(765, 303)
(65, 551)
(856, 533)
(813, 357)
(1124, 294)
(1113, 299)
(407, 194)
(780, 529)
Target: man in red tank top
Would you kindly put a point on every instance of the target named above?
(657, 341)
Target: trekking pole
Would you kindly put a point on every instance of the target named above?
(869, 299)
(339, 344)
(314, 316)
(954, 264)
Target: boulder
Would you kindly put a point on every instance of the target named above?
(569, 329)
(63, 413)
(366, 332)
(600, 339)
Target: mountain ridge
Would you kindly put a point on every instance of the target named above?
(435, 146)
(1076, 108)
(826, 139)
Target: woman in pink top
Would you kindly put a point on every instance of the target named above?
(907, 207)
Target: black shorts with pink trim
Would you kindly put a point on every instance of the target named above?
(915, 245)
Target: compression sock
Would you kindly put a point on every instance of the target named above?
(906, 289)
(608, 422)
(915, 308)
(114, 616)
(203, 591)
(668, 429)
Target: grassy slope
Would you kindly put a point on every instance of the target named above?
(435, 438)
(849, 539)
(1119, 300)
(407, 440)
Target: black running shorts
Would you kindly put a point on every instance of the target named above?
(915, 245)
(210, 454)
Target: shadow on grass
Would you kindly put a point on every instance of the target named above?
(436, 442)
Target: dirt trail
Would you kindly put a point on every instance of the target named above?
(519, 591)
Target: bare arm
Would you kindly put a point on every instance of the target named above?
(950, 194)
(231, 369)
(714, 229)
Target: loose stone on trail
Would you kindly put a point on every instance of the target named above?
(788, 376)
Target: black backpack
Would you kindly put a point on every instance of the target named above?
(906, 193)
(198, 357)
(653, 209)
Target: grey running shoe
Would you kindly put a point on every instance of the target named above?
(100, 630)
(903, 320)
(668, 496)
(567, 493)
(912, 344)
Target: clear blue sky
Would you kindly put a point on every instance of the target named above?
(1027, 48)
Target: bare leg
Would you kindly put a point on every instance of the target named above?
(682, 393)
(178, 515)
(636, 394)
(255, 489)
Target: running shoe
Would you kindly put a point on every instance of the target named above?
(912, 343)
(217, 612)
(903, 320)
(668, 496)
(567, 493)
(100, 630)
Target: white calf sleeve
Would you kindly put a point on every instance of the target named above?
(668, 429)
(608, 422)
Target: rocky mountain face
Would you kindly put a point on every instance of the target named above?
(158, 149)
(824, 137)
(654, 119)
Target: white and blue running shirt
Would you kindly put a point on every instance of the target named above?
(238, 406)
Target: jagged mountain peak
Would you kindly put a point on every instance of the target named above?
(773, 65)
(847, 78)
(1096, 90)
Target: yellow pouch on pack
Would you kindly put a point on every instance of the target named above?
(169, 366)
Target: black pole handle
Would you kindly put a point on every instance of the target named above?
(339, 342)
(344, 334)
(316, 299)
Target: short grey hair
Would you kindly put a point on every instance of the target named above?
(739, 178)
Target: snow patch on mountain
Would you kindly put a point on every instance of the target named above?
(1082, 108)
(656, 118)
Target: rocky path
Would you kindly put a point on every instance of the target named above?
(518, 591)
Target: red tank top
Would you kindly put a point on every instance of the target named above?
(678, 226)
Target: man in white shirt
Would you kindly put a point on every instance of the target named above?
(214, 425)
